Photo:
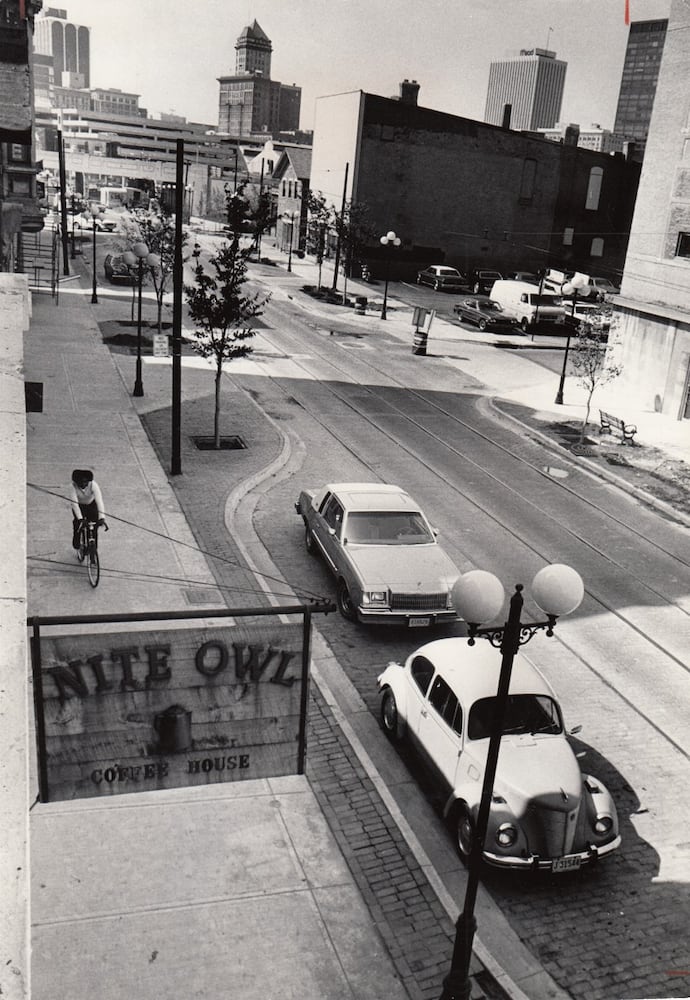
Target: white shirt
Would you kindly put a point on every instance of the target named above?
(91, 492)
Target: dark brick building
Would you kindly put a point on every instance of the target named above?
(471, 193)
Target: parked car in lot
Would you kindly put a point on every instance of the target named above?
(486, 313)
(596, 314)
(528, 276)
(603, 287)
(481, 281)
(545, 813)
(388, 565)
(442, 278)
(106, 222)
(116, 271)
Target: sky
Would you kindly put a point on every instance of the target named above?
(172, 52)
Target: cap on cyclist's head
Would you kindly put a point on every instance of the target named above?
(82, 477)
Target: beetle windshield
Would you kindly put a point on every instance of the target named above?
(388, 528)
(525, 713)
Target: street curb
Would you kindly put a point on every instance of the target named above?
(256, 557)
(590, 468)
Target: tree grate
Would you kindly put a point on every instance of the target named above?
(232, 442)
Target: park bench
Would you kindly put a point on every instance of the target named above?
(609, 424)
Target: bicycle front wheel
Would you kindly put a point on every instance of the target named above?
(94, 567)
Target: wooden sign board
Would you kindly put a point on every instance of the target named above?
(136, 711)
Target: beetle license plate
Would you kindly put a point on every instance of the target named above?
(565, 864)
(419, 622)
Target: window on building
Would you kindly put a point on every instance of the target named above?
(596, 175)
(568, 234)
(683, 245)
(597, 248)
(283, 188)
(529, 172)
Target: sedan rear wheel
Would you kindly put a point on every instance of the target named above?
(345, 605)
(464, 832)
(524, 324)
(390, 719)
(309, 543)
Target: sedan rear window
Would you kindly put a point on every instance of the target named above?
(388, 528)
(525, 714)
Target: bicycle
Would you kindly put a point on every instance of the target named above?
(88, 549)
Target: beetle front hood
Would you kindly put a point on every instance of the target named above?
(408, 567)
(537, 769)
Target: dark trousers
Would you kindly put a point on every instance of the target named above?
(88, 511)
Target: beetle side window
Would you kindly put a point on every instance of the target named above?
(446, 704)
(422, 671)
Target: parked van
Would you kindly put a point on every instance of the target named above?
(521, 300)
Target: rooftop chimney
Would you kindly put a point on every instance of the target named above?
(409, 90)
(572, 135)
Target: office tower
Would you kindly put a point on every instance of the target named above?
(638, 83)
(250, 102)
(532, 84)
(67, 43)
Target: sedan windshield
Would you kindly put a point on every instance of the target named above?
(525, 714)
(387, 528)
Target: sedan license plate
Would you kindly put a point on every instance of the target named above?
(419, 622)
(565, 864)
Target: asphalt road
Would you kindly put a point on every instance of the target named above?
(365, 410)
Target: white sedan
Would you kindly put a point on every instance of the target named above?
(545, 813)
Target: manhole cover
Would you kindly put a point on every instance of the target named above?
(582, 449)
(231, 443)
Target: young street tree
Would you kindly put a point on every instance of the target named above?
(320, 218)
(222, 311)
(592, 363)
(157, 231)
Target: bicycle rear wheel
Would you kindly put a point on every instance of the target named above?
(93, 566)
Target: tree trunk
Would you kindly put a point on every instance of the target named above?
(583, 429)
(216, 415)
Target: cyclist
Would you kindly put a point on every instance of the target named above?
(87, 502)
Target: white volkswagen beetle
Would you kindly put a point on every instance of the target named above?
(545, 813)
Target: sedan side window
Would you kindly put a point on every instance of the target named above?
(446, 704)
(422, 670)
(333, 516)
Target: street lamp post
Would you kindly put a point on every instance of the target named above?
(73, 253)
(579, 283)
(96, 210)
(290, 217)
(139, 257)
(390, 239)
(479, 596)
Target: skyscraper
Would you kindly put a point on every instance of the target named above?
(532, 84)
(250, 102)
(67, 43)
(638, 84)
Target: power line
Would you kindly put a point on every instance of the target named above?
(176, 541)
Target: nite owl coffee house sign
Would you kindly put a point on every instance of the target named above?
(122, 712)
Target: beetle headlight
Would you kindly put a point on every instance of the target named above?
(375, 598)
(603, 825)
(506, 835)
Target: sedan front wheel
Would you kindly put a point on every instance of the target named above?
(482, 324)
(345, 605)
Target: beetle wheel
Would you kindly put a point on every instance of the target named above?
(345, 605)
(464, 832)
(309, 543)
(390, 718)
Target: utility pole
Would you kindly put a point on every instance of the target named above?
(176, 461)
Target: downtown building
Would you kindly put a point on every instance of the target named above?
(250, 102)
(639, 81)
(470, 194)
(654, 304)
(529, 84)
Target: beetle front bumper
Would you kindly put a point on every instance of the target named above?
(537, 863)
